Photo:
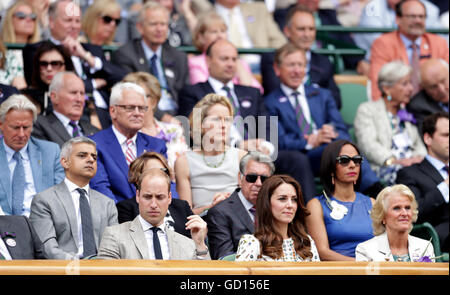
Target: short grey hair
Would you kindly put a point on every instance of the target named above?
(257, 157)
(17, 102)
(58, 81)
(117, 91)
(66, 148)
(150, 5)
(53, 7)
(391, 73)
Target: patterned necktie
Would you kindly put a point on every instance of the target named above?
(75, 131)
(129, 154)
(415, 64)
(156, 244)
(18, 185)
(89, 247)
(302, 123)
(253, 211)
(230, 97)
(153, 67)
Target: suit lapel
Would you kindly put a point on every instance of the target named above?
(140, 59)
(175, 249)
(35, 155)
(5, 177)
(115, 151)
(383, 247)
(63, 194)
(7, 226)
(414, 250)
(96, 208)
(429, 170)
(58, 127)
(241, 213)
(138, 237)
(285, 107)
(403, 53)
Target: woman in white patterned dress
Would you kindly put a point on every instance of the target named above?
(280, 233)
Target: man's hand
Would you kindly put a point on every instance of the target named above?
(198, 229)
(326, 134)
(255, 144)
(219, 197)
(74, 47)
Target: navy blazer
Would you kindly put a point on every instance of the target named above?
(321, 72)
(6, 91)
(111, 178)
(323, 111)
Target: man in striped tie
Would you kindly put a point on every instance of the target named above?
(121, 143)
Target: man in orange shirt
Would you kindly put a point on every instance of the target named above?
(398, 45)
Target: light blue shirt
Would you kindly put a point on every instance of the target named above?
(247, 205)
(408, 43)
(30, 189)
(440, 167)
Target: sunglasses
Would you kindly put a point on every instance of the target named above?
(55, 64)
(345, 160)
(22, 15)
(107, 20)
(251, 178)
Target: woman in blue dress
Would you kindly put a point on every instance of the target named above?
(340, 217)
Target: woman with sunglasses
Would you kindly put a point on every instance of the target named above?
(19, 27)
(385, 131)
(280, 233)
(48, 60)
(100, 22)
(208, 174)
(340, 217)
(179, 210)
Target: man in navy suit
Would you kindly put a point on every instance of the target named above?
(300, 29)
(89, 61)
(307, 115)
(221, 57)
(121, 143)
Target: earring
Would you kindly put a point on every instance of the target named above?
(389, 98)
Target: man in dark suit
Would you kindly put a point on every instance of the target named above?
(120, 144)
(434, 96)
(6, 91)
(18, 239)
(221, 58)
(67, 96)
(429, 180)
(235, 216)
(153, 54)
(89, 60)
(300, 29)
(308, 118)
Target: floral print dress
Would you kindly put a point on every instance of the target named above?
(249, 250)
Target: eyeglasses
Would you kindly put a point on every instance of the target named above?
(131, 108)
(107, 20)
(345, 160)
(251, 178)
(412, 16)
(55, 64)
(22, 15)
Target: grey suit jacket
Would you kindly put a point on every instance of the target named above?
(374, 133)
(54, 219)
(50, 128)
(131, 57)
(127, 241)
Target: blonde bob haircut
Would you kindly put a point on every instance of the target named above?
(203, 24)
(7, 32)
(381, 205)
(98, 9)
(147, 80)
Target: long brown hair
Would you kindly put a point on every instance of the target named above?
(271, 241)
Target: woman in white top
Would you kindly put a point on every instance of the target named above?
(208, 174)
(280, 233)
(393, 214)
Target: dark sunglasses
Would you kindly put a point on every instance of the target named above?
(107, 20)
(23, 15)
(251, 178)
(345, 160)
(55, 64)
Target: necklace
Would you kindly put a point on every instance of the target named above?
(214, 165)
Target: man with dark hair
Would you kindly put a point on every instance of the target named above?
(429, 180)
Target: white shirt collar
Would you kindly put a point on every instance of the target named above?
(435, 162)
(146, 225)
(72, 186)
(288, 90)
(217, 85)
(245, 202)
(122, 138)
(64, 120)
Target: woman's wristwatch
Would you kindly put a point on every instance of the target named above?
(389, 161)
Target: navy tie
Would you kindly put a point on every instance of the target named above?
(18, 185)
(89, 247)
(153, 67)
(156, 244)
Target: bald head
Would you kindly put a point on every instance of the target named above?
(221, 58)
(435, 79)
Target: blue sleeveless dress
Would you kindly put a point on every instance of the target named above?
(354, 228)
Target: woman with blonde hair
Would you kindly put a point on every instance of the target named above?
(209, 28)
(100, 22)
(172, 134)
(393, 215)
(208, 174)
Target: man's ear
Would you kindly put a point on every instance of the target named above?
(276, 69)
(137, 196)
(65, 163)
(427, 139)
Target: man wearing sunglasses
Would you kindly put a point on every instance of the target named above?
(89, 60)
(235, 216)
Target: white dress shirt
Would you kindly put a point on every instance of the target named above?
(76, 203)
(162, 239)
(65, 121)
(4, 250)
(123, 142)
(30, 189)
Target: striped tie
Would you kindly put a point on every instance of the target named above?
(305, 127)
(129, 154)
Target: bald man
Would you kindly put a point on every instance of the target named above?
(434, 96)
